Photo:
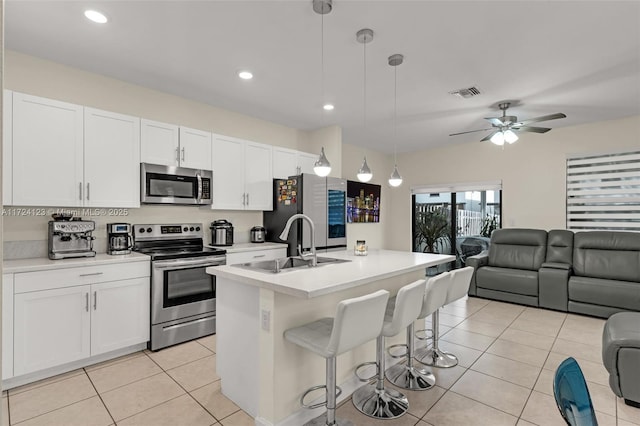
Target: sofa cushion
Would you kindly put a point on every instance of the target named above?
(608, 255)
(597, 291)
(510, 280)
(518, 248)
(560, 246)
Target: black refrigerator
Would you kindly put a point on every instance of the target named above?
(323, 199)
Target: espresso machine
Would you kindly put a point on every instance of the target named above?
(71, 238)
(119, 237)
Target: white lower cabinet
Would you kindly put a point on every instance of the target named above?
(51, 328)
(119, 314)
(7, 326)
(66, 315)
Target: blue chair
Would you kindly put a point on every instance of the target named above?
(572, 395)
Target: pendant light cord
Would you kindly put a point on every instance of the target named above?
(395, 116)
(322, 69)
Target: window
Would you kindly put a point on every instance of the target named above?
(603, 191)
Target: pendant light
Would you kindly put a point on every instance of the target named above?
(364, 36)
(394, 61)
(322, 167)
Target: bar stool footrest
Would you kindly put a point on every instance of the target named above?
(425, 336)
(319, 404)
(403, 345)
(365, 364)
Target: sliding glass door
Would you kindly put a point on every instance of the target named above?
(458, 222)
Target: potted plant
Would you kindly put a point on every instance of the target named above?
(432, 230)
(489, 224)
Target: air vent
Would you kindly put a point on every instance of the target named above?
(467, 93)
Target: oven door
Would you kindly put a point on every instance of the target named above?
(182, 288)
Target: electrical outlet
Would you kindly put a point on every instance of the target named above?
(265, 319)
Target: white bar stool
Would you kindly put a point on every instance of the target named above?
(460, 280)
(357, 321)
(407, 376)
(373, 399)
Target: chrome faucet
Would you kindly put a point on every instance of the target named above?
(285, 234)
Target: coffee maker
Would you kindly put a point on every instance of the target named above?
(71, 238)
(119, 236)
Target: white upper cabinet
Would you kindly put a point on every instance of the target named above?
(47, 152)
(285, 162)
(258, 177)
(289, 162)
(172, 145)
(242, 176)
(195, 149)
(306, 161)
(111, 159)
(159, 143)
(7, 157)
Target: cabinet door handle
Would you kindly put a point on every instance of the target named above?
(259, 255)
(95, 300)
(244, 197)
(80, 191)
(247, 198)
(182, 154)
(88, 190)
(86, 302)
(177, 155)
(92, 274)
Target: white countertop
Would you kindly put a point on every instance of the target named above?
(238, 248)
(43, 263)
(330, 278)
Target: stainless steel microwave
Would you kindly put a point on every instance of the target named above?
(174, 185)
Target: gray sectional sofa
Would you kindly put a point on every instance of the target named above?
(595, 273)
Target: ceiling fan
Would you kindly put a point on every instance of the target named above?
(505, 127)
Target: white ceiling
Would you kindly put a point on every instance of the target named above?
(577, 57)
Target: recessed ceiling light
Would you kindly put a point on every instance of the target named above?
(328, 107)
(95, 16)
(245, 75)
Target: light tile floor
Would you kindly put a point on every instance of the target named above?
(508, 354)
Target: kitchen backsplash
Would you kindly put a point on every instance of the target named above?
(25, 228)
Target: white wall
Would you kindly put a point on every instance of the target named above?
(532, 172)
(381, 165)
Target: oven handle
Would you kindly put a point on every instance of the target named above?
(182, 264)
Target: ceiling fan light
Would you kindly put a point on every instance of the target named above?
(498, 139)
(364, 174)
(510, 136)
(395, 180)
(322, 167)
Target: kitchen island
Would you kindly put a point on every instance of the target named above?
(262, 372)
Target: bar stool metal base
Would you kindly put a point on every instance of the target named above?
(436, 358)
(322, 421)
(380, 403)
(409, 377)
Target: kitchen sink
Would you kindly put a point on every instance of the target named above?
(287, 264)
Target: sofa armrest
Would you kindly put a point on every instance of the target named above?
(556, 265)
(477, 261)
(622, 330)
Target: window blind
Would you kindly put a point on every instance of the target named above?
(603, 191)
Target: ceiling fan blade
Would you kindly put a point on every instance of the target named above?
(488, 137)
(494, 120)
(542, 118)
(531, 129)
(470, 131)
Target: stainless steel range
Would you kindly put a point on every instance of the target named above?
(183, 295)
